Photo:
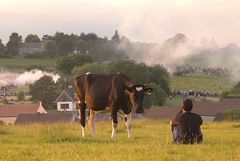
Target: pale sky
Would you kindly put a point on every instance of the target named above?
(139, 20)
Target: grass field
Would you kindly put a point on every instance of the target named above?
(201, 82)
(151, 142)
(16, 64)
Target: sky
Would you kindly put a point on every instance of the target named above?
(139, 20)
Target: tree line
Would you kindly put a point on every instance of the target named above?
(62, 44)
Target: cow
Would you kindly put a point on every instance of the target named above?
(115, 92)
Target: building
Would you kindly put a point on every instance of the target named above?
(30, 48)
(10, 112)
(67, 100)
(43, 118)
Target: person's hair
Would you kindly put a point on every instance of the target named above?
(187, 105)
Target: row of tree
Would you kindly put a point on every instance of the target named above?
(62, 44)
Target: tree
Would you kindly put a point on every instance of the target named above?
(44, 90)
(67, 63)
(91, 67)
(13, 44)
(50, 48)
(236, 88)
(65, 42)
(116, 37)
(20, 96)
(32, 38)
(141, 73)
(2, 48)
(47, 37)
(160, 76)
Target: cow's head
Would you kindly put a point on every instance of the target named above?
(136, 94)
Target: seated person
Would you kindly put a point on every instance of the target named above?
(186, 125)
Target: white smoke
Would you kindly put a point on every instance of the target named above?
(174, 51)
(179, 49)
(28, 77)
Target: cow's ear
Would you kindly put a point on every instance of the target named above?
(148, 90)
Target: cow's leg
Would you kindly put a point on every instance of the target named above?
(127, 118)
(83, 119)
(114, 122)
(91, 122)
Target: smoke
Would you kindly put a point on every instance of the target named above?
(174, 51)
(28, 77)
(179, 50)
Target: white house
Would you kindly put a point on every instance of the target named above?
(66, 101)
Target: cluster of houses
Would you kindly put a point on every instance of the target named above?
(35, 113)
(67, 111)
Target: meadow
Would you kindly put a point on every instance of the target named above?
(151, 141)
(20, 64)
(201, 82)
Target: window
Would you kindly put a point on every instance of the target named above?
(65, 106)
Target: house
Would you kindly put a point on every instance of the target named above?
(67, 100)
(209, 111)
(10, 112)
(30, 48)
(52, 117)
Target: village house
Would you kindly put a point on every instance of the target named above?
(66, 101)
(10, 112)
(30, 48)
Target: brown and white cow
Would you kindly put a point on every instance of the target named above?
(116, 91)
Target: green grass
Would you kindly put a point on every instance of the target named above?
(18, 64)
(174, 102)
(24, 88)
(201, 82)
(151, 141)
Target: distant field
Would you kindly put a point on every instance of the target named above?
(22, 63)
(201, 82)
(151, 141)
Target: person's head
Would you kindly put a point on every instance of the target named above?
(187, 105)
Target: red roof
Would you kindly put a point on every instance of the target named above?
(47, 117)
(212, 108)
(16, 109)
(156, 112)
(200, 107)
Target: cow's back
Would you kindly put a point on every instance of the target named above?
(98, 91)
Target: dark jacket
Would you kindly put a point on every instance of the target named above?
(188, 127)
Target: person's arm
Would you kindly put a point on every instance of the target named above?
(200, 120)
(174, 122)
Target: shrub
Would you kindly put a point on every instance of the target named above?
(232, 115)
(20, 96)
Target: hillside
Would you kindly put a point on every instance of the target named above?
(201, 82)
(151, 141)
(21, 64)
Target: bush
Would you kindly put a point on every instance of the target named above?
(31, 67)
(5, 101)
(20, 96)
(92, 68)
(66, 64)
(232, 115)
(158, 95)
(33, 55)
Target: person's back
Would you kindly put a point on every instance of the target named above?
(189, 128)
(186, 125)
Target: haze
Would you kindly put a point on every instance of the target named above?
(139, 20)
